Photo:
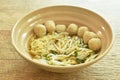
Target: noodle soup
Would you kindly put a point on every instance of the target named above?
(64, 47)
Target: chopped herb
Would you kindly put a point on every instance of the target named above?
(50, 62)
(89, 55)
(80, 60)
(59, 60)
(56, 41)
(65, 53)
(45, 55)
(85, 46)
(53, 52)
(48, 58)
(75, 53)
(93, 52)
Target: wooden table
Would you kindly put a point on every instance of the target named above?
(13, 67)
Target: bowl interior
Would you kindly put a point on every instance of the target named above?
(22, 31)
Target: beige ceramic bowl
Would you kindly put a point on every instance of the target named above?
(22, 31)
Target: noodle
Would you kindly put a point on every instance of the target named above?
(61, 49)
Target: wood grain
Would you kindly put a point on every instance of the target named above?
(14, 67)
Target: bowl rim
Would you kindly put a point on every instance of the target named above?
(55, 66)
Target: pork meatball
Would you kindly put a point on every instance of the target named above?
(81, 31)
(60, 28)
(72, 29)
(39, 30)
(95, 44)
(88, 35)
(50, 26)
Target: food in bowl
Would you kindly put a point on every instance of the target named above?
(62, 45)
(62, 15)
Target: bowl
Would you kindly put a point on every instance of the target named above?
(23, 31)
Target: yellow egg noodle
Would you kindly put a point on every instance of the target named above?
(61, 49)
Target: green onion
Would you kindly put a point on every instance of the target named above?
(53, 52)
(80, 60)
(47, 57)
(75, 53)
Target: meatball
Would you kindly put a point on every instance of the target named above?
(50, 26)
(72, 29)
(94, 44)
(81, 31)
(60, 28)
(88, 35)
(39, 30)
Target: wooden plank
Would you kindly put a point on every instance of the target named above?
(8, 18)
(7, 51)
(13, 67)
(11, 4)
(11, 11)
(20, 69)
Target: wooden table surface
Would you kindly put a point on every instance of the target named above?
(14, 67)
